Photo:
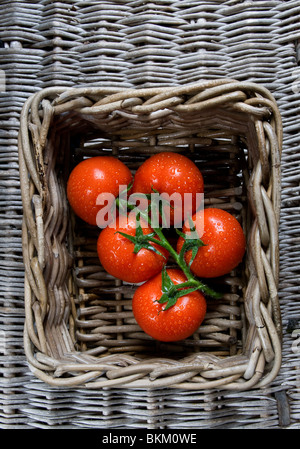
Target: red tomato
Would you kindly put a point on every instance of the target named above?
(171, 173)
(94, 176)
(224, 241)
(116, 252)
(176, 323)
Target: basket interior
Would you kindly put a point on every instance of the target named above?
(96, 316)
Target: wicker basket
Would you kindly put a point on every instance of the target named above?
(79, 328)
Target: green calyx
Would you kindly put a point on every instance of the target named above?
(190, 243)
(141, 240)
(172, 292)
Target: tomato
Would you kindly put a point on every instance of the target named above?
(94, 176)
(171, 174)
(176, 323)
(224, 241)
(117, 256)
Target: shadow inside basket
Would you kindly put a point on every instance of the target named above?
(99, 305)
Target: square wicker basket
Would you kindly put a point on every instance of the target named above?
(79, 327)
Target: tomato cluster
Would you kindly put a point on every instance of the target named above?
(169, 304)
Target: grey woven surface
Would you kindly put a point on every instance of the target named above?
(144, 44)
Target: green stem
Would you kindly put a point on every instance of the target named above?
(165, 243)
(180, 261)
(191, 280)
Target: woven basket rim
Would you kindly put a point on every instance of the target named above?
(239, 372)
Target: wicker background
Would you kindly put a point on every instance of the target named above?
(145, 44)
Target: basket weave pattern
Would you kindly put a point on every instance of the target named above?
(79, 327)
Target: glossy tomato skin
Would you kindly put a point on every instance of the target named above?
(174, 324)
(171, 173)
(224, 241)
(116, 254)
(94, 176)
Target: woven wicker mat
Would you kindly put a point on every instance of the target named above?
(145, 44)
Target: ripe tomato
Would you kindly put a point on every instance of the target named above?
(224, 241)
(176, 323)
(171, 174)
(117, 256)
(94, 176)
